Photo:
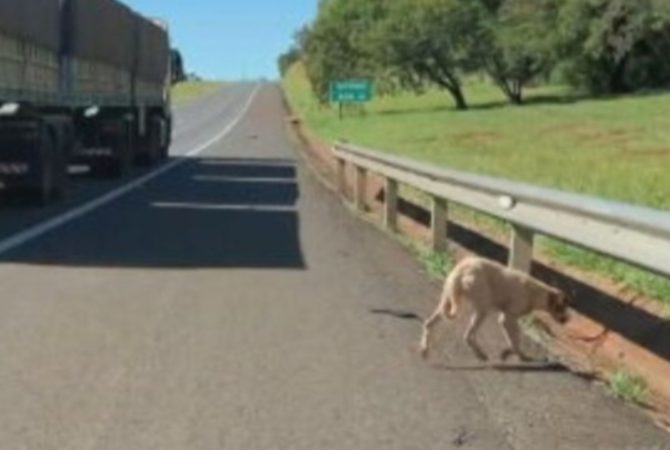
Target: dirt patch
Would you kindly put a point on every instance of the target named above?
(425, 139)
(593, 134)
(633, 153)
(476, 138)
(565, 129)
(612, 137)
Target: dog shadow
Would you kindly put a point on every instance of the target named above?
(540, 367)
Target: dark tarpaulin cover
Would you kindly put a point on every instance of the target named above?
(36, 21)
(103, 31)
(153, 51)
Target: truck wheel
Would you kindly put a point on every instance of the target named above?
(122, 161)
(119, 163)
(151, 151)
(62, 146)
(47, 184)
(165, 146)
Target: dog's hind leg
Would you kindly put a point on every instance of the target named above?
(512, 333)
(428, 326)
(476, 322)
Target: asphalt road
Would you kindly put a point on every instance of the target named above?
(228, 301)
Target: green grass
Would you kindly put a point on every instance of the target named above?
(628, 387)
(436, 264)
(188, 91)
(639, 280)
(615, 148)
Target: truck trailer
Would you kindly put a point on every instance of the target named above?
(81, 82)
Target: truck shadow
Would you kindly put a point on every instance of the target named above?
(205, 213)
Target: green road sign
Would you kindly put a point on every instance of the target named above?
(351, 91)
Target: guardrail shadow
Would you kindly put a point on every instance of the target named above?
(205, 213)
(635, 324)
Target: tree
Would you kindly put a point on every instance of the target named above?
(520, 43)
(430, 42)
(615, 46)
(286, 60)
(295, 52)
(334, 47)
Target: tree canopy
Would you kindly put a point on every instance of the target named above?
(601, 46)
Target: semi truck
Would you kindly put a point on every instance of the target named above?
(83, 82)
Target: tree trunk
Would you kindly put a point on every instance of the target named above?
(516, 93)
(617, 83)
(512, 89)
(440, 75)
(459, 98)
(516, 98)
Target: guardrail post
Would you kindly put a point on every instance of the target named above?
(439, 224)
(361, 188)
(391, 205)
(521, 248)
(341, 177)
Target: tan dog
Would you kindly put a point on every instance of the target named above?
(491, 287)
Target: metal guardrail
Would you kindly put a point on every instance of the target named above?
(634, 234)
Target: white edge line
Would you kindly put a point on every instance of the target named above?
(183, 130)
(242, 180)
(58, 221)
(220, 207)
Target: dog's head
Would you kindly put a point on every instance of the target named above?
(557, 306)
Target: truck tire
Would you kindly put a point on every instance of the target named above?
(60, 166)
(62, 134)
(48, 181)
(150, 152)
(123, 151)
(165, 147)
(119, 163)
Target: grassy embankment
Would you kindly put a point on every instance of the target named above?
(615, 148)
(189, 91)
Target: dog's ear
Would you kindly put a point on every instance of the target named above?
(557, 306)
(557, 300)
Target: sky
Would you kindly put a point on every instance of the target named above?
(230, 39)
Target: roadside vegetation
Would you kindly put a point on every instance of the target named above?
(567, 94)
(590, 146)
(618, 147)
(628, 387)
(188, 91)
(437, 264)
(595, 46)
(590, 74)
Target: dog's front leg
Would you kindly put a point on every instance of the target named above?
(510, 326)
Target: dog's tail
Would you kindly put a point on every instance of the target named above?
(451, 297)
(451, 307)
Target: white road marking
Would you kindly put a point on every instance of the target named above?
(251, 180)
(40, 229)
(281, 163)
(223, 207)
(181, 128)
